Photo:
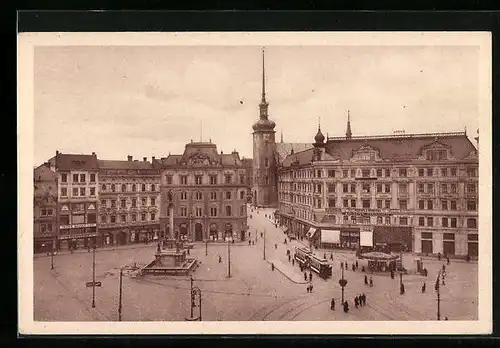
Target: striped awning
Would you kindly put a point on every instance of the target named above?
(311, 232)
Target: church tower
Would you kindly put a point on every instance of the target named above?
(264, 188)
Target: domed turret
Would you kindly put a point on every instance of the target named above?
(264, 124)
(319, 138)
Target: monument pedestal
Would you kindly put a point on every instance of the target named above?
(170, 258)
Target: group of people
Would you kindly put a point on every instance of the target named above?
(354, 266)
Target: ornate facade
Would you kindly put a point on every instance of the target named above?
(414, 192)
(206, 194)
(45, 209)
(129, 205)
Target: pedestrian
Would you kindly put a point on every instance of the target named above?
(364, 298)
(447, 260)
(249, 242)
(332, 304)
(353, 267)
(187, 250)
(308, 288)
(220, 259)
(445, 318)
(366, 280)
(356, 302)
(272, 267)
(357, 265)
(439, 256)
(444, 268)
(423, 288)
(305, 276)
(289, 258)
(261, 234)
(362, 268)
(346, 307)
(311, 288)
(392, 274)
(310, 276)
(331, 256)
(346, 266)
(371, 282)
(402, 289)
(341, 265)
(275, 246)
(293, 262)
(324, 256)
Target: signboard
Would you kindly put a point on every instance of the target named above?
(78, 236)
(91, 284)
(342, 282)
(330, 236)
(366, 238)
(63, 227)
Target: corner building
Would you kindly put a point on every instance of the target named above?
(409, 192)
(204, 193)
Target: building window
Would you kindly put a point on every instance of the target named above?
(103, 219)
(184, 180)
(426, 235)
(64, 192)
(345, 188)
(134, 217)
(228, 195)
(387, 173)
(318, 173)
(353, 173)
(366, 188)
(403, 188)
(444, 188)
(213, 211)
(366, 203)
(345, 173)
(430, 188)
(387, 204)
(453, 205)
(421, 204)
(113, 219)
(134, 202)
(379, 173)
(143, 217)
(213, 195)
(153, 216)
(429, 205)
(453, 222)
(471, 205)
(331, 173)
(448, 236)
(444, 222)
(144, 201)
(421, 221)
(134, 188)
(75, 177)
(267, 180)
(183, 196)
(153, 187)
(379, 188)
(429, 171)
(103, 202)
(331, 203)
(198, 211)
(453, 171)
(471, 223)
(75, 192)
(123, 218)
(353, 203)
(143, 187)
(103, 187)
(420, 188)
(169, 179)
(345, 203)
(430, 221)
(353, 219)
(82, 178)
(365, 173)
(471, 188)
(199, 195)
(242, 210)
(227, 178)
(379, 220)
(403, 221)
(198, 179)
(123, 203)
(213, 179)
(64, 177)
(113, 203)
(153, 201)
(471, 171)
(228, 210)
(444, 204)
(402, 172)
(379, 204)
(403, 204)
(420, 171)
(242, 194)
(331, 188)
(353, 188)
(113, 188)
(453, 188)
(444, 171)
(387, 188)
(242, 179)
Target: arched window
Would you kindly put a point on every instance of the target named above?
(134, 187)
(103, 187)
(153, 187)
(112, 187)
(143, 188)
(242, 194)
(124, 188)
(199, 196)
(228, 210)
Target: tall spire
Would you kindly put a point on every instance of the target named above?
(282, 135)
(263, 103)
(348, 133)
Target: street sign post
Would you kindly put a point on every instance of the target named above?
(342, 282)
(91, 284)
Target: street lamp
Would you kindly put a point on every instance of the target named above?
(342, 283)
(206, 247)
(93, 276)
(401, 286)
(229, 259)
(264, 244)
(436, 287)
(194, 291)
(120, 296)
(52, 256)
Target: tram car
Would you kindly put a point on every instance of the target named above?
(320, 266)
(302, 255)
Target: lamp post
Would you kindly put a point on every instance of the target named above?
(93, 276)
(436, 287)
(194, 291)
(342, 283)
(120, 297)
(229, 259)
(206, 247)
(52, 256)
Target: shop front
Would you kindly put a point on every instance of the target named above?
(78, 236)
(394, 238)
(349, 237)
(213, 232)
(44, 244)
(228, 232)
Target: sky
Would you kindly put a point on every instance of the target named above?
(151, 101)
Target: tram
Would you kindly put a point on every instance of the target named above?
(302, 255)
(320, 266)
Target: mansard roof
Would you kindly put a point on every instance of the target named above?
(76, 162)
(202, 154)
(285, 149)
(109, 164)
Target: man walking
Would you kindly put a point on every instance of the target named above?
(332, 304)
(310, 276)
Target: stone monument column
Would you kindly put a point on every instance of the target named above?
(171, 222)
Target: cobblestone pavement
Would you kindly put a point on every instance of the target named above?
(253, 292)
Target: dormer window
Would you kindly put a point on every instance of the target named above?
(436, 155)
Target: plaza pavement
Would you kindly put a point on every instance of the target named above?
(253, 292)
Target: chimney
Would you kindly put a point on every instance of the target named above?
(145, 159)
(57, 152)
(221, 152)
(129, 158)
(93, 153)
